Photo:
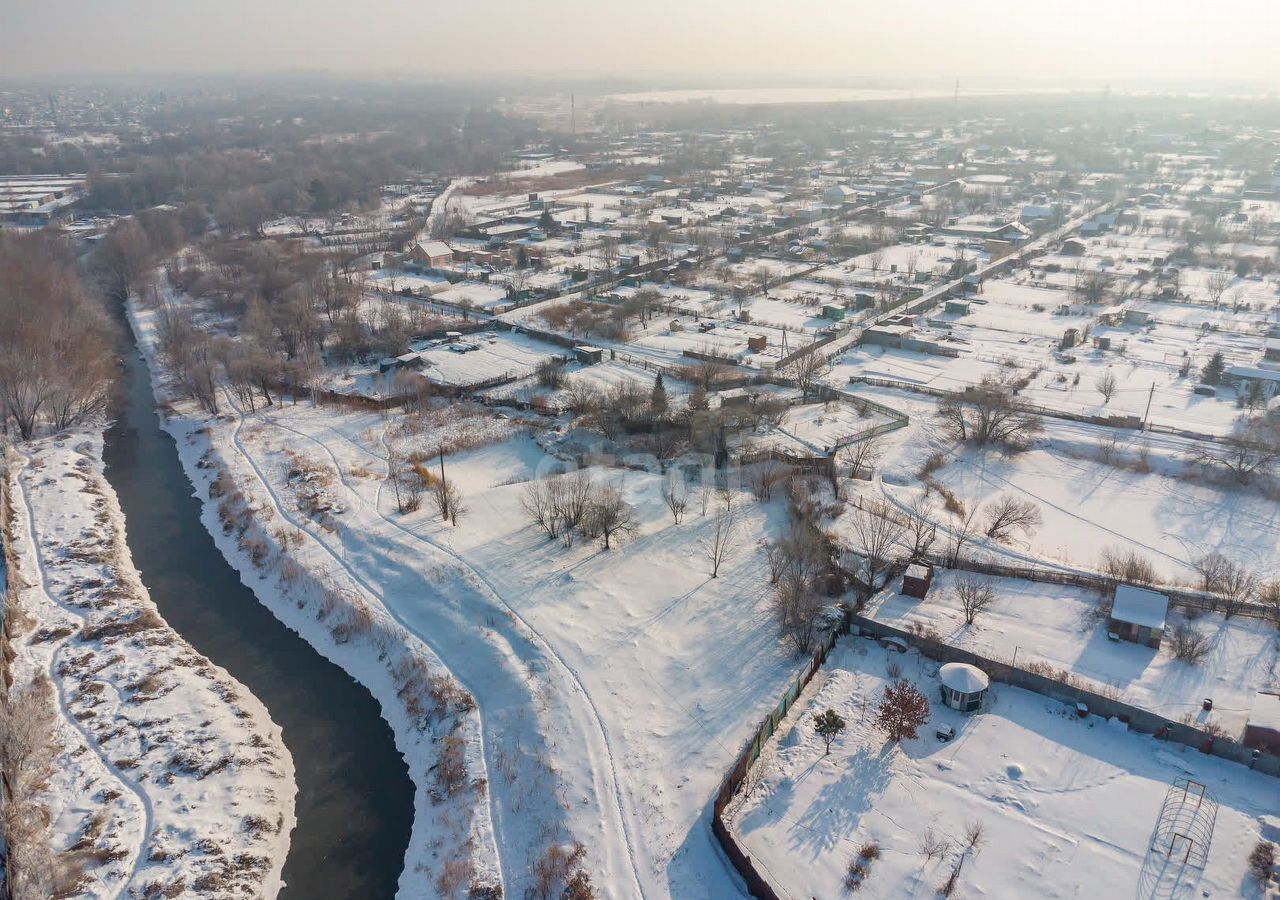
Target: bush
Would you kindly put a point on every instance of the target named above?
(1262, 860)
(1189, 644)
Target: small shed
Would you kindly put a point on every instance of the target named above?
(757, 343)
(588, 356)
(1262, 731)
(963, 686)
(1138, 615)
(833, 312)
(957, 307)
(917, 580)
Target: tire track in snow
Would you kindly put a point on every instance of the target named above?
(492, 590)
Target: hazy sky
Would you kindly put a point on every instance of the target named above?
(1115, 40)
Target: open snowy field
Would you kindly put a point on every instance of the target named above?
(1056, 624)
(1068, 806)
(1087, 505)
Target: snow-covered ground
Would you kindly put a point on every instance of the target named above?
(1057, 625)
(612, 687)
(1151, 502)
(1068, 806)
(170, 778)
(312, 586)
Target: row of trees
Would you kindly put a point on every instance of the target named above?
(56, 342)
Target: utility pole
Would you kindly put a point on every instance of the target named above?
(1150, 395)
(442, 463)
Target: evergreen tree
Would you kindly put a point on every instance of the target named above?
(698, 399)
(828, 724)
(658, 400)
(1213, 369)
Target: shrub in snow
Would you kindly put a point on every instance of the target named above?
(1262, 860)
(1188, 643)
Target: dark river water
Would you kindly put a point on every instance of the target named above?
(355, 799)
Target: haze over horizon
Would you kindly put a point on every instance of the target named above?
(1140, 41)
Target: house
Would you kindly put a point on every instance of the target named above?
(588, 356)
(957, 307)
(963, 686)
(917, 580)
(838, 195)
(431, 254)
(1262, 730)
(1271, 349)
(1137, 317)
(1074, 247)
(1244, 378)
(1138, 615)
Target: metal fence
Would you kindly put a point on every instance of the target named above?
(757, 884)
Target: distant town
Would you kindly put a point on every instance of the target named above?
(439, 491)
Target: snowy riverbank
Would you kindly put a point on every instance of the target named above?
(168, 777)
(452, 847)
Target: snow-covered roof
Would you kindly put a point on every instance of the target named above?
(964, 678)
(916, 570)
(435, 248)
(1265, 711)
(1140, 606)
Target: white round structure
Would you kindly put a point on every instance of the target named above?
(963, 686)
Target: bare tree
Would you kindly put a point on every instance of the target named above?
(448, 500)
(806, 369)
(1216, 285)
(56, 361)
(959, 535)
(879, 533)
(1007, 515)
(798, 610)
(538, 501)
(975, 595)
(610, 517)
(1106, 385)
(724, 533)
(764, 476)
(989, 414)
(920, 528)
(675, 493)
(860, 458)
(1252, 449)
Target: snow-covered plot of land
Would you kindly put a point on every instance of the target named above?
(170, 777)
(1057, 624)
(495, 356)
(1167, 514)
(815, 429)
(1068, 806)
(474, 293)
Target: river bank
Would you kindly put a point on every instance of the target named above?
(451, 848)
(167, 777)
